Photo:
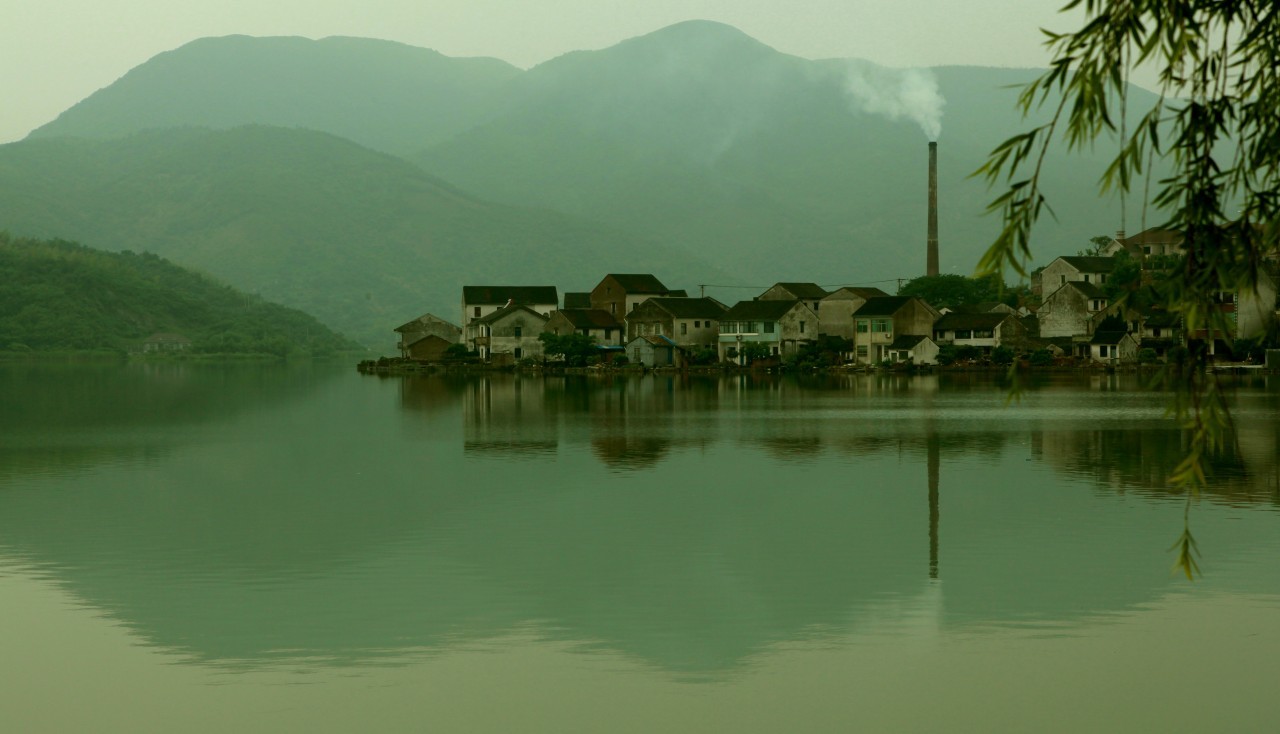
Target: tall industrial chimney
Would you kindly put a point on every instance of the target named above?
(931, 261)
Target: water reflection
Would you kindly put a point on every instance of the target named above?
(689, 523)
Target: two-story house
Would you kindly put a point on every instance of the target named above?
(779, 326)
(1073, 269)
(835, 318)
(811, 293)
(1069, 310)
(618, 293)
(426, 337)
(510, 332)
(588, 322)
(692, 323)
(479, 301)
(1155, 241)
(881, 320)
(986, 331)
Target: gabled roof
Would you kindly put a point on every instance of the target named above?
(803, 290)
(689, 308)
(882, 305)
(577, 300)
(858, 291)
(1090, 264)
(1089, 290)
(506, 311)
(492, 295)
(657, 340)
(638, 283)
(1155, 236)
(589, 318)
(423, 320)
(679, 293)
(907, 341)
(954, 321)
(758, 310)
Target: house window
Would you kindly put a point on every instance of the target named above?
(613, 308)
(1086, 278)
(608, 334)
(775, 351)
(684, 328)
(815, 306)
(862, 351)
(518, 353)
(1155, 332)
(768, 327)
(862, 326)
(697, 324)
(749, 327)
(881, 326)
(801, 327)
(1064, 278)
(519, 332)
(964, 334)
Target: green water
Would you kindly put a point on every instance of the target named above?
(262, 548)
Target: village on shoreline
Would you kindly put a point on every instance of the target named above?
(1086, 311)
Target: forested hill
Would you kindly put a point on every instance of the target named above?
(59, 295)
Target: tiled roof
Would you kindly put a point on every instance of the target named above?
(492, 295)
(658, 340)
(689, 308)
(907, 341)
(860, 292)
(577, 300)
(758, 310)
(882, 306)
(1089, 289)
(954, 321)
(638, 283)
(1090, 264)
(423, 320)
(506, 311)
(803, 290)
(590, 318)
(1155, 236)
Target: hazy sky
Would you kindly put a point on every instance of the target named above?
(53, 53)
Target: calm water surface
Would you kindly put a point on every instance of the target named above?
(262, 548)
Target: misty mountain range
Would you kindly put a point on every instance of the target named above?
(365, 181)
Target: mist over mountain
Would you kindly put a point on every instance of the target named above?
(362, 240)
(694, 151)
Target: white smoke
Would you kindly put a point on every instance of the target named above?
(898, 93)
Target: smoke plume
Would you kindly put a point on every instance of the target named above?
(897, 93)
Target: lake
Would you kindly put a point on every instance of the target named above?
(267, 548)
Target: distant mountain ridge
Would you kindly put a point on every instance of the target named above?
(381, 94)
(361, 239)
(691, 150)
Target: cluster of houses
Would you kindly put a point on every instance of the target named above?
(636, 315)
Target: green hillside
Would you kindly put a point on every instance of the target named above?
(62, 296)
(383, 95)
(362, 240)
(695, 152)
